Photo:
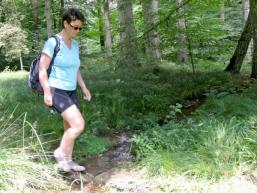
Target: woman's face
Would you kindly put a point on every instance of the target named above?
(73, 27)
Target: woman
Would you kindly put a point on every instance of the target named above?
(60, 87)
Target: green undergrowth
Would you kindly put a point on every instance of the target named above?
(146, 101)
(218, 139)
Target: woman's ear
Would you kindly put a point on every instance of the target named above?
(65, 23)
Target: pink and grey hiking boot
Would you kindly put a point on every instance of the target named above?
(61, 159)
(65, 163)
(76, 167)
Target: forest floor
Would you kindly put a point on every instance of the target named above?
(114, 172)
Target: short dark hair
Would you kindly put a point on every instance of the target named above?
(72, 14)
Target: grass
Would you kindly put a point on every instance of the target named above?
(24, 166)
(214, 142)
(210, 148)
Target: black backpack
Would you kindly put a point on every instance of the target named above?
(33, 80)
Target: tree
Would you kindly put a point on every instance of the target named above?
(13, 42)
(253, 16)
(48, 17)
(128, 44)
(108, 33)
(236, 61)
(181, 36)
(246, 8)
(152, 40)
(61, 12)
(100, 23)
(222, 11)
(35, 12)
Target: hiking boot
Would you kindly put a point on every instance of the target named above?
(76, 167)
(61, 159)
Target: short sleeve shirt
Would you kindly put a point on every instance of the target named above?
(65, 66)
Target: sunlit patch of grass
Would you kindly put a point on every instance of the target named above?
(18, 172)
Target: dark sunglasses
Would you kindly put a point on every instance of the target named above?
(75, 27)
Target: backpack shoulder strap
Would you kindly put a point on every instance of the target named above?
(56, 50)
(57, 46)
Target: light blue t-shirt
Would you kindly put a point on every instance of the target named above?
(66, 64)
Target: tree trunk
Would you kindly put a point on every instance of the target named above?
(100, 24)
(241, 49)
(61, 12)
(181, 35)
(222, 12)
(246, 9)
(253, 16)
(48, 17)
(150, 10)
(21, 62)
(108, 33)
(128, 45)
(35, 22)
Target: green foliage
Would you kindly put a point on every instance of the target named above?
(210, 38)
(198, 146)
(12, 41)
(212, 143)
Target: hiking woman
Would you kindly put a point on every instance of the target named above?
(60, 87)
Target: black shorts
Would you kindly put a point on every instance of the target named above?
(63, 99)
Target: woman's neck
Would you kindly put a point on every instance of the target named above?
(66, 38)
(65, 35)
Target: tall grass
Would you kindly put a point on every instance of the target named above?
(24, 166)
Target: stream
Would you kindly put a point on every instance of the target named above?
(101, 168)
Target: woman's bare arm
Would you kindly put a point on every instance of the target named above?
(44, 64)
(86, 92)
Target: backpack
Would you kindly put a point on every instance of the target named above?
(33, 80)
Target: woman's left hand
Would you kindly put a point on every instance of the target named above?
(87, 95)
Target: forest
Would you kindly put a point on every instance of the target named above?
(173, 107)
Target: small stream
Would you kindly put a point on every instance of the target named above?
(99, 169)
(118, 155)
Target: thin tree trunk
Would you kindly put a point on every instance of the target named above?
(108, 33)
(222, 12)
(246, 9)
(61, 12)
(128, 44)
(48, 17)
(241, 49)
(253, 16)
(35, 22)
(190, 52)
(21, 62)
(100, 24)
(150, 10)
(181, 35)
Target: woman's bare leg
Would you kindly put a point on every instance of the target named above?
(66, 125)
(73, 126)
(74, 120)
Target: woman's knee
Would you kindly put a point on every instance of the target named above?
(74, 119)
(78, 124)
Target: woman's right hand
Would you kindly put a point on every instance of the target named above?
(48, 99)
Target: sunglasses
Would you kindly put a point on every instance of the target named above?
(75, 27)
